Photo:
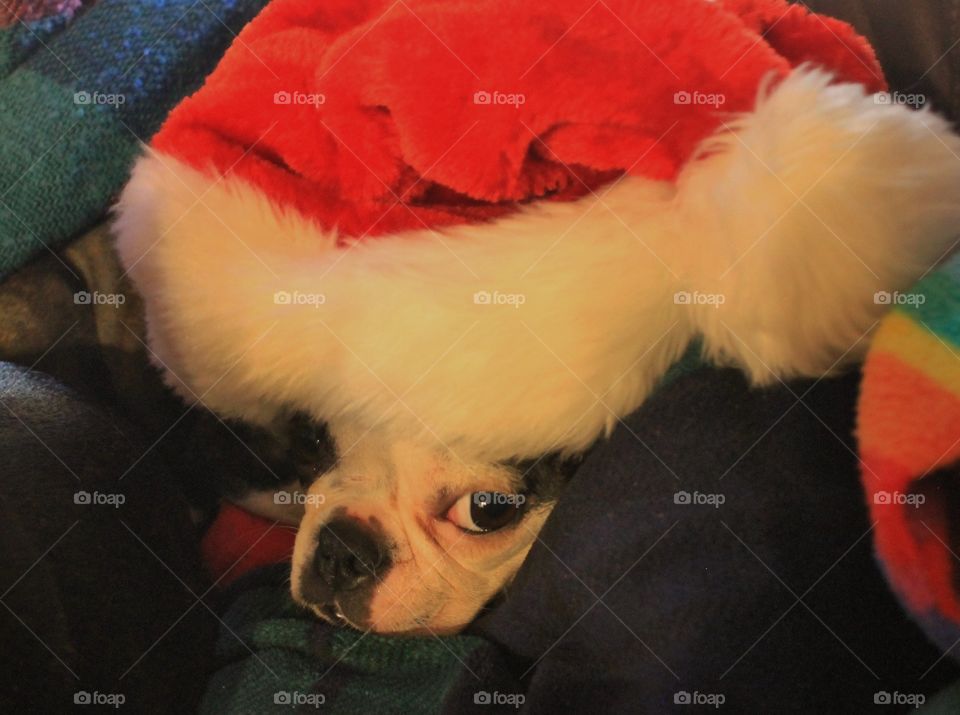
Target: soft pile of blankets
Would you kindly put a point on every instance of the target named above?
(637, 598)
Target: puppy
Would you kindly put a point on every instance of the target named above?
(395, 536)
(402, 538)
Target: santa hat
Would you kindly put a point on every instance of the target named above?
(495, 224)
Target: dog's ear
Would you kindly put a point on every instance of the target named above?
(806, 216)
(546, 476)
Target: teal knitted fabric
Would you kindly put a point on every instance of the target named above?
(275, 658)
(77, 96)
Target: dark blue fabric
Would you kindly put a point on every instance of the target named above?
(702, 599)
(97, 597)
(152, 52)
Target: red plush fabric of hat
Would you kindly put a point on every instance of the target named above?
(470, 220)
(374, 118)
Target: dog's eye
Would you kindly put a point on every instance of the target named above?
(482, 512)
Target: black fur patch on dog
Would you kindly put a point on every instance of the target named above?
(244, 457)
(545, 477)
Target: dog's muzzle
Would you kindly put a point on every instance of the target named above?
(348, 560)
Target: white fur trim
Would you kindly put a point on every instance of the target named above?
(399, 341)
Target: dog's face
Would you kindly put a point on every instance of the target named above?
(402, 537)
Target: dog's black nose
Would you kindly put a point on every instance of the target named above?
(347, 555)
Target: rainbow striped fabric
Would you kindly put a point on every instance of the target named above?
(908, 429)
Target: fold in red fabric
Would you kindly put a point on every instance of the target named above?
(373, 117)
(238, 542)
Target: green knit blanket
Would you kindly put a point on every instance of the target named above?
(275, 658)
(79, 92)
